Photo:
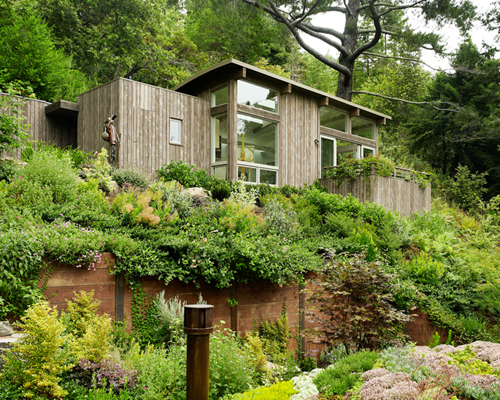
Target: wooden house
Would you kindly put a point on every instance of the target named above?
(232, 119)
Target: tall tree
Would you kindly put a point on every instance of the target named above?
(108, 38)
(366, 21)
(232, 29)
(467, 133)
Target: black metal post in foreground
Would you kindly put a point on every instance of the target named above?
(198, 325)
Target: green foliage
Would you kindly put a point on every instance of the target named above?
(355, 299)
(145, 318)
(468, 363)
(28, 52)
(275, 336)
(466, 189)
(353, 167)
(277, 391)
(22, 254)
(78, 157)
(124, 177)
(37, 362)
(8, 170)
(12, 128)
(99, 170)
(92, 333)
(435, 340)
(424, 269)
(342, 376)
(171, 316)
(47, 171)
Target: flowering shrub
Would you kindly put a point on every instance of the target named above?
(278, 391)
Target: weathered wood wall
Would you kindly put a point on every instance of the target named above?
(393, 193)
(144, 113)
(60, 130)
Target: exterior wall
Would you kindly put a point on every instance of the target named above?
(143, 122)
(393, 193)
(299, 155)
(59, 130)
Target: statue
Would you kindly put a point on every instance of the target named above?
(111, 136)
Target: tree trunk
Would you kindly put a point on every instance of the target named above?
(344, 85)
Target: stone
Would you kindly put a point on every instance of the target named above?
(5, 329)
(198, 192)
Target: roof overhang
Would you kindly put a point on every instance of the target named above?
(62, 108)
(234, 69)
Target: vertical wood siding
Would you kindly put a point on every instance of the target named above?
(144, 113)
(393, 193)
(58, 130)
(299, 157)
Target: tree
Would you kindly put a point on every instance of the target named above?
(12, 129)
(366, 21)
(28, 53)
(356, 309)
(232, 29)
(468, 133)
(108, 39)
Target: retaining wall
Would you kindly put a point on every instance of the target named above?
(254, 301)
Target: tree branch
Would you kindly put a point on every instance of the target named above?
(309, 49)
(376, 38)
(305, 14)
(400, 58)
(327, 31)
(417, 103)
(402, 7)
(323, 38)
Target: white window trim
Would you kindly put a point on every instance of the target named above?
(258, 167)
(180, 133)
(363, 147)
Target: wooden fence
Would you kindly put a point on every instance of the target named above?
(253, 300)
(399, 192)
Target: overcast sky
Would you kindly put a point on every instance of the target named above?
(451, 36)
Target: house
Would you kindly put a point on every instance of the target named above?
(232, 119)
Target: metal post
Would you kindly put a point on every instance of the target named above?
(198, 325)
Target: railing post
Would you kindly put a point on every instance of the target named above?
(198, 325)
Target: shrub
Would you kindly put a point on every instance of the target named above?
(171, 317)
(49, 172)
(275, 336)
(424, 269)
(177, 198)
(132, 177)
(466, 189)
(342, 376)
(180, 172)
(99, 169)
(356, 303)
(92, 332)
(8, 170)
(279, 220)
(278, 391)
(37, 362)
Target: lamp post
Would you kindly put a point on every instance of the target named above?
(198, 325)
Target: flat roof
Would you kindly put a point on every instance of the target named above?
(232, 68)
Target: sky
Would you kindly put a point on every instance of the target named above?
(451, 35)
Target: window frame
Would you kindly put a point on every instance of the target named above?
(180, 131)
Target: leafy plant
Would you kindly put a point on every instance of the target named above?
(124, 177)
(277, 391)
(37, 362)
(275, 336)
(466, 189)
(356, 303)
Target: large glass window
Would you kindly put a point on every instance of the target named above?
(219, 96)
(346, 150)
(327, 152)
(257, 140)
(219, 138)
(368, 152)
(257, 96)
(363, 128)
(333, 119)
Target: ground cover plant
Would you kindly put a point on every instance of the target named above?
(444, 261)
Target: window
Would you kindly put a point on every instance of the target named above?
(219, 96)
(257, 96)
(368, 152)
(333, 119)
(346, 150)
(220, 171)
(175, 130)
(327, 152)
(257, 150)
(363, 128)
(257, 140)
(219, 138)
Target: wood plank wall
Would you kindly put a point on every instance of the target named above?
(393, 193)
(59, 130)
(299, 157)
(144, 113)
